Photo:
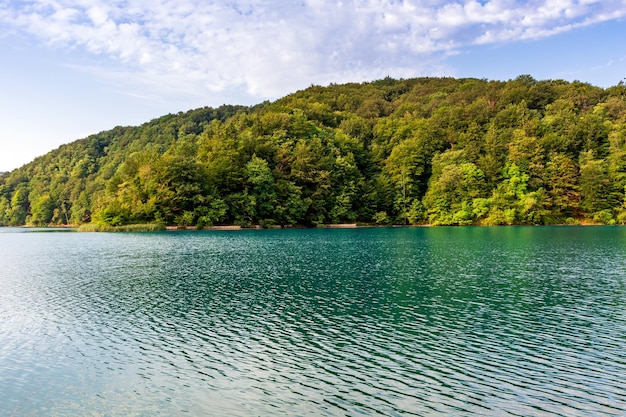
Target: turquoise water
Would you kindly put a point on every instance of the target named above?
(515, 321)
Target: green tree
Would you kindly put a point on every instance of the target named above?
(262, 188)
(527, 155)
(594, 188)
(20, 206)
(291, 206)
(42, 210)
(505, 203)
(453, 189)
(5, 210)
(406, 169)
(561, 181)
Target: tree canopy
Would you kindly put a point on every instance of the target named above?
(441, 151)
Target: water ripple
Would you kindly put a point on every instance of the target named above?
(395, 322)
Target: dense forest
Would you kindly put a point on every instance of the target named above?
(439, 151)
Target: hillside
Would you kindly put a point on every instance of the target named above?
(427, 150)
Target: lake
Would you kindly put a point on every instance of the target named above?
(511, 321)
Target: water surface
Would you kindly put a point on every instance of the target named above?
(513, 321)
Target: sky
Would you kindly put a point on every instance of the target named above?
(71, 68)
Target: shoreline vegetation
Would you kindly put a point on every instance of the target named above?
(88, 227)
(151, 227)
(422, 151)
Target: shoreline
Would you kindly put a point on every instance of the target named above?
(372, 225)
(258, 227)
(88, 227)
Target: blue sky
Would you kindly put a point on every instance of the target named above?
(75, 67)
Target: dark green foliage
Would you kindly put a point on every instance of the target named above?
(426, 150)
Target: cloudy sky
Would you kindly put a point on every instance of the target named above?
(70, 68)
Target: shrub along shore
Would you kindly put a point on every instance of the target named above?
(151, 227)
(88, 227)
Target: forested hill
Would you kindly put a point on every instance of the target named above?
(427, 150)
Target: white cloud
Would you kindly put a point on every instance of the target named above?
(271, 47)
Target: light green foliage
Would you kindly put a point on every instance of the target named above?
(507, 199)
(594, 187)
(18, 210)
(381, 217)
(561, 180)
(452, 190)
(5, 209)
(262, 188)
(42, 209)
(527, 155)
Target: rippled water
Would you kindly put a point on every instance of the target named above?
(515, 321)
